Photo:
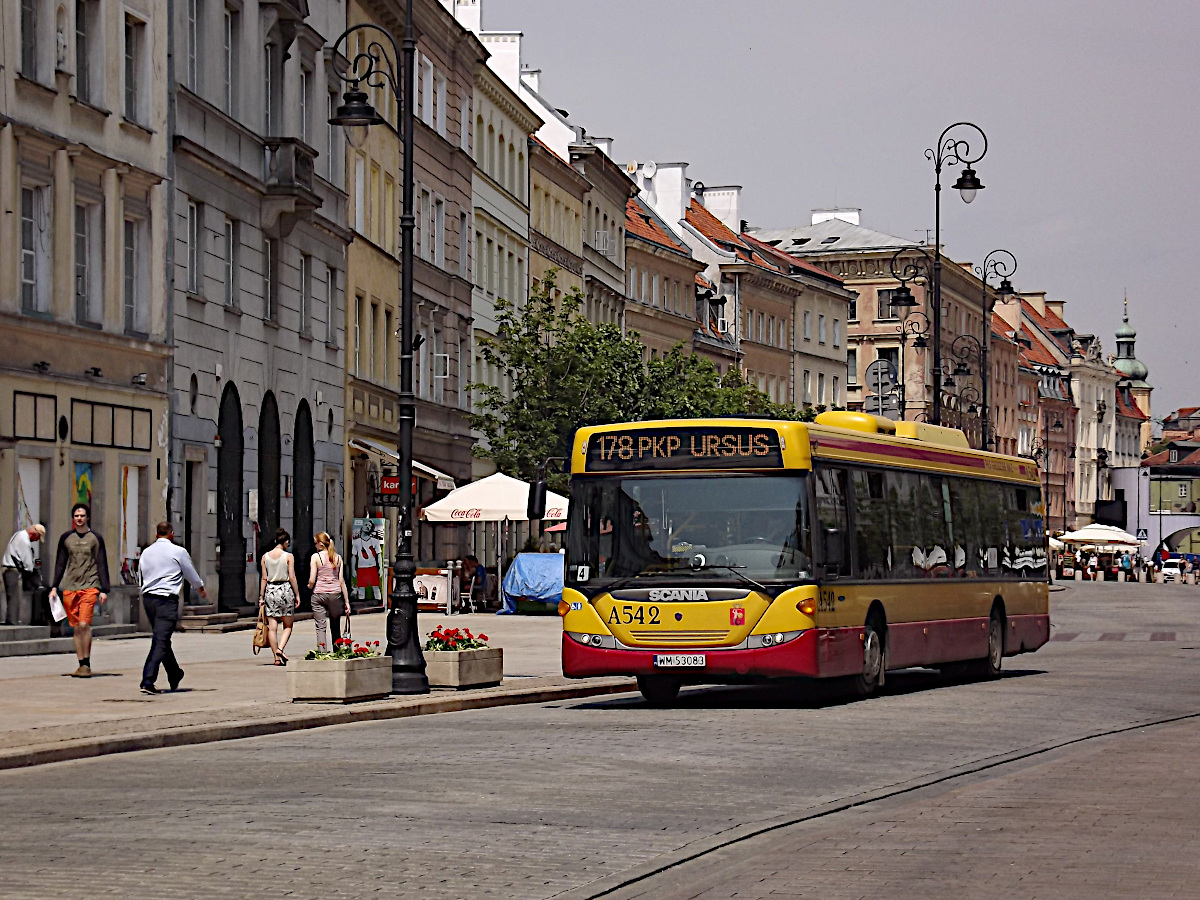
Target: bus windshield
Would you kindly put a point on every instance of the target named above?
(638, 526)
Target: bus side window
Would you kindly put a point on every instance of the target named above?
(833, 543)
(872, 529)
(966, 509)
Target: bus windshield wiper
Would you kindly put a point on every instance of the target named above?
(630, 579)
(732, 569)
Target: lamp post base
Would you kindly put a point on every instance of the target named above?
(409, 682)
(404, 641)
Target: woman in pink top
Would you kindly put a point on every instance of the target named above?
(329, 596)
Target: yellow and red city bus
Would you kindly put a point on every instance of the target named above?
(731, 550)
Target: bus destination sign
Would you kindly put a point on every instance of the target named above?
(697, 447)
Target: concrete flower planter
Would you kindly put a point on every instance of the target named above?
(464, 668)
(339, 680)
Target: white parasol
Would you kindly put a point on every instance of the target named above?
(1101, 536)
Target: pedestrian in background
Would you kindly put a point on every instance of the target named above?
(1093, 565)
(162, 568)
(81, 573)
(278, 592)
(329, 598)
(21, 575)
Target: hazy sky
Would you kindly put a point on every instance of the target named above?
(1091, 112)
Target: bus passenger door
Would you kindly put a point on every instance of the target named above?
(833, 528)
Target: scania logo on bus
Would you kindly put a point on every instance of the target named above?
(677, 595)
(466, 514)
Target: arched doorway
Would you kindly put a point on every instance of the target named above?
(268, 472)
(231, 552)
(303, 472)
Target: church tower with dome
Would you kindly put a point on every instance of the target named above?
(1134, 373)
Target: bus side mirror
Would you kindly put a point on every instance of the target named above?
(537, 500)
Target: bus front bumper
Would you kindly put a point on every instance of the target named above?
(797, 658)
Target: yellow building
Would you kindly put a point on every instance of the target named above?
(447, 57)
(555, 219)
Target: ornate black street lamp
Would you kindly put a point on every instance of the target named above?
(997, 264)
(914, 325)
(373, 67)
(950, 151)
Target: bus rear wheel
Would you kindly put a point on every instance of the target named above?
(989, 667)
(659, 690)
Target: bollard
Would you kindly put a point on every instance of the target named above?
(1079, 574)
(1121, 576)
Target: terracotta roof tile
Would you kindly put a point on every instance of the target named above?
(786, 262)
(1130, 412)
(640, 222)
(1047, 323)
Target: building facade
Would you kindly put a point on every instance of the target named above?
(665, 305)
(765, 299)
(500, 194)
(447, 59)
(862, 258)
(84, 167)
(257, 241)
(603, 228)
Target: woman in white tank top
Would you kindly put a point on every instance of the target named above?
(278, 592)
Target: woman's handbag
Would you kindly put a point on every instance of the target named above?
(260, 631)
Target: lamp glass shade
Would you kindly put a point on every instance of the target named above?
(968, 184)
(356, 115)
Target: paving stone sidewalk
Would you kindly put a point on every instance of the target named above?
(45, 715)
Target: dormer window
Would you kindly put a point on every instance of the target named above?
(1174, 455)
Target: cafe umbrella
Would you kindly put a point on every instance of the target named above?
(498, 498)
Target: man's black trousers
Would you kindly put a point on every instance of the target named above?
(163, 613)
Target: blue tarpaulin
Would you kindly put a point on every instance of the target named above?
(534, 576)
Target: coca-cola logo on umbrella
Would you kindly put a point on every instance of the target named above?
(466, 514)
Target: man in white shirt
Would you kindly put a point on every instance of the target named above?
(20, 571)
(161, 570)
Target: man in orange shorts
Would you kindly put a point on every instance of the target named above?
(81, 573)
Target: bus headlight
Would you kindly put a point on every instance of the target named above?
(760, 641)
(593, 640)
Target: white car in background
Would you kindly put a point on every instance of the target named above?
(1172, 571)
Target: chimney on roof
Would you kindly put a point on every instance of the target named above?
(1056, 307)
(846, 214)
(665, 188)
(603, 144)
(725, 202)
(1036, 299)
(532, 78)
(469, 14)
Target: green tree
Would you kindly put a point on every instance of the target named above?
(565, 373)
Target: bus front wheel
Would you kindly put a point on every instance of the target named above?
(659, 690)
(874, 659)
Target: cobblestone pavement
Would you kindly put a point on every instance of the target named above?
(535, 801)
(1112, 820)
